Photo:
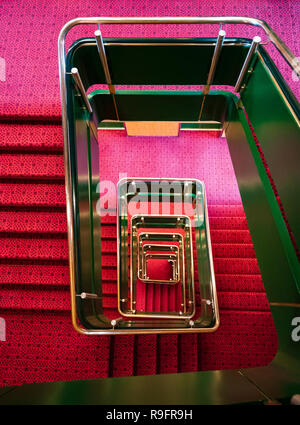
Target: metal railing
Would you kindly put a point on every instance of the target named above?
(272, 36)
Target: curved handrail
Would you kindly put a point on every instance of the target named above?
(291, 59)
(279, 44)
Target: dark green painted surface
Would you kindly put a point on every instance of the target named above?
(288, 356)
(87, 264)
(263, 214)
(111, 125)
(274, 250)
(201, 126)
(159, 106)
(282, 376)
(279, 136)
(5, 390)
(217, 387)
(179, 64)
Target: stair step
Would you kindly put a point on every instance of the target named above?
(34, 137)
(32, 166)
(32, 195)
